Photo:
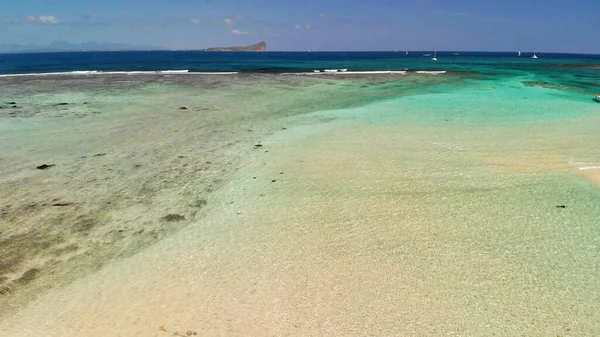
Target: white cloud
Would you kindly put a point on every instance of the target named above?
(48, 19)
(303, 27)
(322, 14)
(298, 27)
(194, 21)
(307, 27)
(229, 22)
(238, 32)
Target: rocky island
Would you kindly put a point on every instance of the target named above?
(261, 46)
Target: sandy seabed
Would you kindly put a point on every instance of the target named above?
(276, 205)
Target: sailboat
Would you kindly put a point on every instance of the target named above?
(406, 53)
(519, 53)
(534, 56)
(434, 56)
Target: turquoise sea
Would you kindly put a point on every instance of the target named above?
(300, 194)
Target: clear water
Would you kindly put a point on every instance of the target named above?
(464, 204)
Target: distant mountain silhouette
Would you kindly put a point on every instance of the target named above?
(59, 46)
(261, 46)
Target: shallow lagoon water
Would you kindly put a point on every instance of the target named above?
(407, 205)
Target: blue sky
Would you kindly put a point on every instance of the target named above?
(494, 25)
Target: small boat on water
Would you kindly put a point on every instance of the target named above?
(597, 98)
(434, 56)
(534, 56)
(519, 54)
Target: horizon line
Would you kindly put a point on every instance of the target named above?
(282, 51)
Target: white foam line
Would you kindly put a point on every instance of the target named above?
(174, 71)
(326, 72)
(96, 72)
(589, 168)
(401, 72)
(83, 72)
(431, 72)
(184, 72)
(216, 73)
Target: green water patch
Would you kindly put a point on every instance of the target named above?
(582, 81)
(502, 101)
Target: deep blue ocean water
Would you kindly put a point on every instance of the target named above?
(273, 61)
(581, 72)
